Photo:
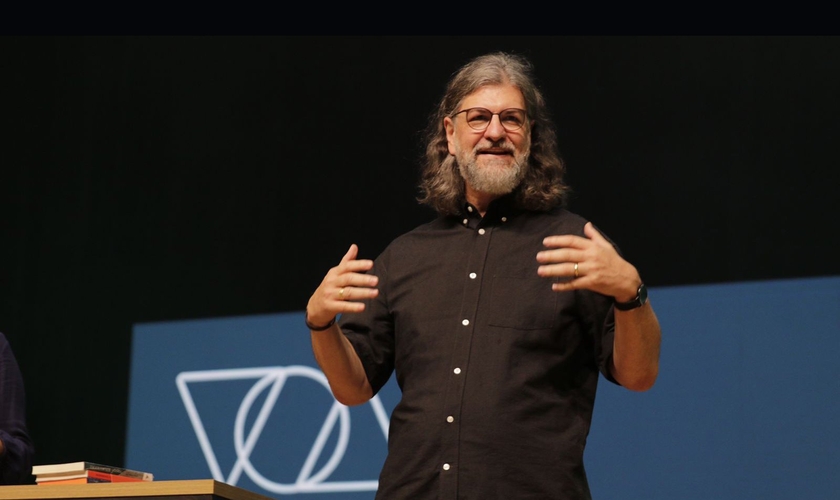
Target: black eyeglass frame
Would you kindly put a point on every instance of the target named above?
(524, 121)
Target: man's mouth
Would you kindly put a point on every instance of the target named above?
(495, 151)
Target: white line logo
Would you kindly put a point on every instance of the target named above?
(273, 379)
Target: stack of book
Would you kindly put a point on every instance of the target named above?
(86, 472)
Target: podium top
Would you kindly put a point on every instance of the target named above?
(203, 489)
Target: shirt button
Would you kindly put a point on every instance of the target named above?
(465, 222)
(504, 219)
(450, 419)
(445, 466)
(469, 209)
(465, 322)
(472, 276)
(481, 231)
(457, 371)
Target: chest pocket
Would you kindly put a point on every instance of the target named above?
(522, 303)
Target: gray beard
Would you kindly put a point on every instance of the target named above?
(495, 177)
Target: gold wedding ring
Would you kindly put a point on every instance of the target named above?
(341, 293)
(576, 269)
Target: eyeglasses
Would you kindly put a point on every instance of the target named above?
(512, 119)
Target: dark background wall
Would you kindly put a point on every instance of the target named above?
(158, 178)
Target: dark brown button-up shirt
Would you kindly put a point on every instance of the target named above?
(498, 372)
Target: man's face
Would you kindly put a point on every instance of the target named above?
(492, 161)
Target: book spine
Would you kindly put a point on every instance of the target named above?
(80, 468)
(91, 474)
(112, 478)
(119, 471)
(78, 480)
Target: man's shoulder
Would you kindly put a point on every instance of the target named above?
(435, 225)
(566, 215)
(432, 228)
(556, 221)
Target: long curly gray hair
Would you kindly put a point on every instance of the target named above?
(441, 184)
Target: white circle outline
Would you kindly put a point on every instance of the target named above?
(279, 375)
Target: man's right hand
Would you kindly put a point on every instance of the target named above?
(343, 289)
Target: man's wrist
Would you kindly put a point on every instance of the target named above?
(637, 301)
(318, 328)
(628, 296)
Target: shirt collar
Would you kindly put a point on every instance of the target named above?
(500, 210)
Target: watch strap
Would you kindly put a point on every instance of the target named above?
(638, 301)
(318, 328)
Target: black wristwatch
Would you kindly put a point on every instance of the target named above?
(639, 301)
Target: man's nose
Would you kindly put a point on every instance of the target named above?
(495, 130)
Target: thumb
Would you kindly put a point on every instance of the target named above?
(592, 233)
(351, 254)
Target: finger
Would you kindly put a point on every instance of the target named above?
(349, 293)
(356, 266)
(560, 255)
(352, 301)
(347, 306)
(565, 286)
(564, 270)
(358, 280)
(349, 263)
(351, 254)
(566, 240)
(595, 235)
(354, 286)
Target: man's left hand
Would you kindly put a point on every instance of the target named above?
(591, 263)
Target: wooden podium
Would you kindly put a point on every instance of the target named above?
(200, 489)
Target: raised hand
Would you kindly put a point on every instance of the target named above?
(591, 263)
(343, 289)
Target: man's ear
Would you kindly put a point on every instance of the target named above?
(449, 125)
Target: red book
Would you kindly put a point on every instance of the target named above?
(90, 476)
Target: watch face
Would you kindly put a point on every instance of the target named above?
(642, 294)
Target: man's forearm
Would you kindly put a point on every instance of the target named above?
(342, 366)
(636, 348)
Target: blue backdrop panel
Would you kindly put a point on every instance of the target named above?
(240, 400)
(746, 404)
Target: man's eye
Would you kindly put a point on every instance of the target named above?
(513, 118)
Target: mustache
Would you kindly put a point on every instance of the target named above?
(502, 146)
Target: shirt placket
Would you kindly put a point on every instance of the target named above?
(459, 366)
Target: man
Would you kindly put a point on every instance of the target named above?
(496, 318)
(16, 449)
